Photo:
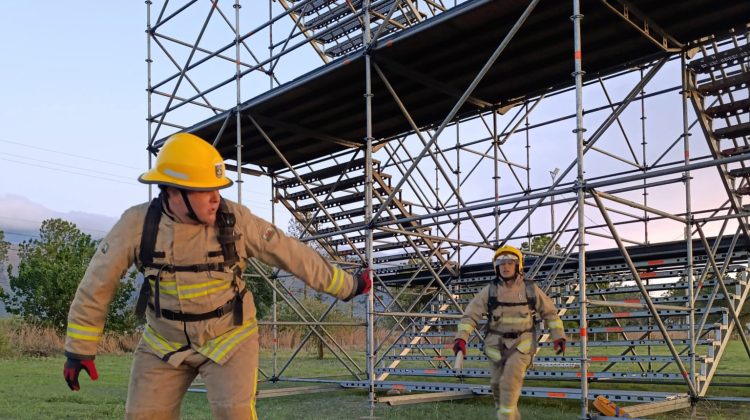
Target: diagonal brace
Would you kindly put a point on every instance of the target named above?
(646, 297)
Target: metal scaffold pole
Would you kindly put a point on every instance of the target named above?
(688, 224)
(275, 307)
(149, 62)
(581, 206)
(368, 207)
(237, 116)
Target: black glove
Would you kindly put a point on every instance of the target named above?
(73, 367)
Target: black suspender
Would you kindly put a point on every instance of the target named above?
(225, 221)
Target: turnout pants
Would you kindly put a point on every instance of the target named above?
(506, 382)
(156, 388)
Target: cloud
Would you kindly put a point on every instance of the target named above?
(21, 218)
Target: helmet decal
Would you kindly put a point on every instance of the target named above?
(219, 170)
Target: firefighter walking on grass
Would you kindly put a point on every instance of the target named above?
(511, 304)
(191, 246)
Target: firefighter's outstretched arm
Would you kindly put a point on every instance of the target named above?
(266, 242)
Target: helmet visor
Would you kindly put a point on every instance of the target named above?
(505, 258)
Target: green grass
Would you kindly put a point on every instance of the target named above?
(33, 388)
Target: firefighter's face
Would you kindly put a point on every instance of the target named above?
(506, 266)
(205, 204)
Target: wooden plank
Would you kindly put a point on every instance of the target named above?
(648, 409)
(427, 397)
(283, 392)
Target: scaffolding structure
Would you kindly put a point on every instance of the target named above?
(415, 136)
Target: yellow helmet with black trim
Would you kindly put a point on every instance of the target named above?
(187, 161)
(509, 250)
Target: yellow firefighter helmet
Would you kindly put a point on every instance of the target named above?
(510, 251)
(186, 161)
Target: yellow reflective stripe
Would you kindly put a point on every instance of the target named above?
(524, 345)
(555, 323)
(235, 340)
(83, 337)
(158, 343)
(82, 328)
(504, 409)
(82, 332)
(336, 282)
(253, 414)
(465, 328)
(211, 283)
(493, 353)
(166, 287)
(219, 347)
(514, 320)
(219, 288)
(340, 284)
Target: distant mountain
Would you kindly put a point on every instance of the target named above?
(21, 218)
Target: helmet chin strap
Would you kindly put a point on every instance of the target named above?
(191, 213)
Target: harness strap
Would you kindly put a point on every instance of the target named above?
(509, 335)
(150, 229)
(499, 303)
(493, 303)
(216, 313)
(225, 221)
(146, 253)
(197, 268)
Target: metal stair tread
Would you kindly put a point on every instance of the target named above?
(720, 60)
(338, 201)
(733, 131)
(718, 86)
(729, 109)
(326, 172)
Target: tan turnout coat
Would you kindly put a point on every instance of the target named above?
(190, 292)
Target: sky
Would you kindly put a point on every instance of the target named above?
(73, 114)
(73, 110)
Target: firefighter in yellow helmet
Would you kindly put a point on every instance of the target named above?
(191, 246)
(511, 304)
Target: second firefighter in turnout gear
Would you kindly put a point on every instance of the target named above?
(191, 246)
(510, 303)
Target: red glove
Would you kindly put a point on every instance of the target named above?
(73, 368)
(459, 345)
(559, 346)
(363, 279)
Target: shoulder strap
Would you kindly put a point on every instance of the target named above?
(492, 302)
(146, 254)
(225, 222)
(530, 294)
(150, 230)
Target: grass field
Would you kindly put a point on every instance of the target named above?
(33, 388)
